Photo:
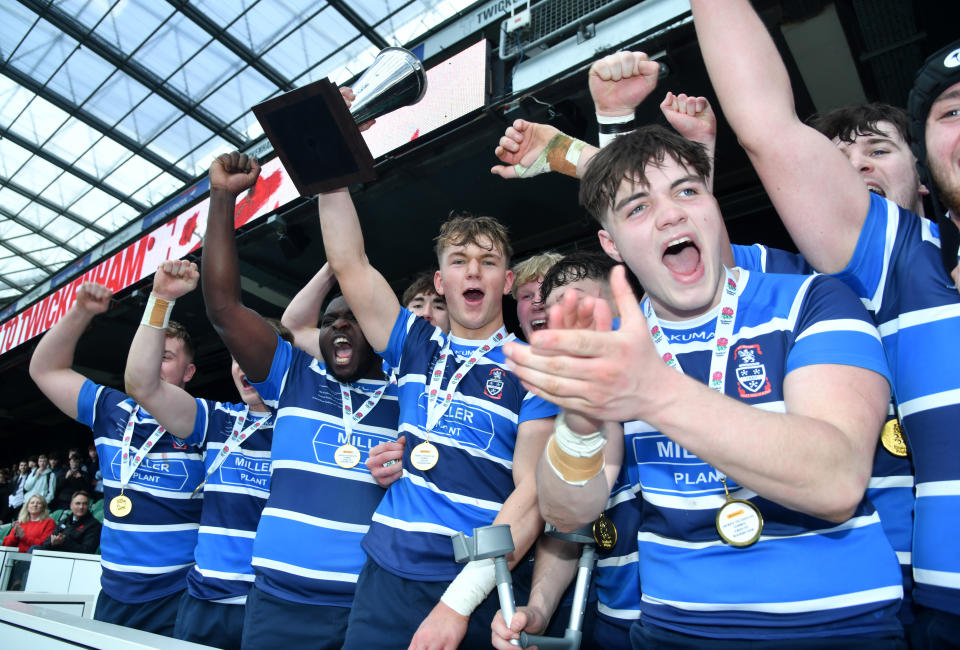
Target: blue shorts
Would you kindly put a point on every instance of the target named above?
(654, 637)
(209, 623)
(609, 633)
(378, 620)
(272, 622)
(933, 628)
(158, 616)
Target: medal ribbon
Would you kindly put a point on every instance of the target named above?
(436, 406)
(129, 465)
(233, 443)
(723, 331)
(346, 406)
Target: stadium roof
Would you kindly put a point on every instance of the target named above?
(107, 107)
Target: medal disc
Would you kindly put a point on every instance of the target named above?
(346, 456)
(892, 439)
(739, 523)
(120, 506)
(604, 533)
(424, 456)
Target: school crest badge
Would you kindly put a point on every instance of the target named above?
(752, 380)
(494, 386)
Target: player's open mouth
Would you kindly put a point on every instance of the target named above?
(539, 324)
(876, 189)
(682, 257)
(473, 297)
(342, 351)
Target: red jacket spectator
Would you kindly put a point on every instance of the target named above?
(33, 527)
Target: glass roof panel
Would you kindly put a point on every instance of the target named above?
(12, 202)
(63, 228)
(37, 215)
(130, 175)
(85, 239)
(42, 51)
(312, 43)
(238, 95)
(117, 218)
(65, 190)
(167, 50)
(92, 205)
(54, 256)
(13, 263)
(72, 140)
(126, 26)
(37, 174)
(12, 157)
(82, 73)
(13, 99)
(102, 158)
(15, 23)
(118, 96)
(10, 229)
(158, 189)
(181, 137)
(27, 278)
(265, 23)
(151, 116)
(39, 120)
(343, 65)
(29, 243)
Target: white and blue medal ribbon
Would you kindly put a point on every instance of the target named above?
(237, 437)
(738, 521)
(347, 455)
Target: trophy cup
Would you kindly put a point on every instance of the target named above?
(316, 136)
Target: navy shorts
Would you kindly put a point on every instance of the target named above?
(653, 637)
(209, 623)
(271, 622)
(388, 609)
(933, 628)
(158, 616)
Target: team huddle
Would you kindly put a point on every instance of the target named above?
(764, 437)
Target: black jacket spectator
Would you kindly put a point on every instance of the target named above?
(75, 535)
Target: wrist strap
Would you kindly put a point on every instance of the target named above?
(611, 128)
(561, 155)
(575, 459)
(157, 312)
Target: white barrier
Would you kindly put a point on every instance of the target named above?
(64, 573)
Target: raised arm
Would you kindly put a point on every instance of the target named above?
(250, 339)
(815, 190)
(172, 406)
(371, 299)
(50, 367)
(302, 315)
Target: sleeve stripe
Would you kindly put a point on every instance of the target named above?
(840, 325)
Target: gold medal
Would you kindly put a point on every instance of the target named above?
(424, 456)
(604, 533)
(347, 456)
(120, 505)
(892, 439)
(739, 523)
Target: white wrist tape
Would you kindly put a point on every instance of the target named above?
(610, 128)
(561, 155)
(575, 459)
(476, 580)
(157, 312)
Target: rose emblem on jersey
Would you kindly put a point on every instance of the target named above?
(722, 344)
(716, 380)
(752, 380)
(494, 386)
(726, 314)
(731, 286)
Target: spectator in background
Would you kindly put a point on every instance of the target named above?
(93, 472)
(17, 494)
(422, 299)
(41, 480)
(58, 469)
(74, 480)
(32, 463)
(78, 531)
(93, 461)
(32, 527)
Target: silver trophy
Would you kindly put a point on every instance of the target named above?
(316, 136)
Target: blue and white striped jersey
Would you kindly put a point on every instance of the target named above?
(616, 577)
(897, 272)
(307, 547)
(411, 530)
(145, 555)
(233, 498)
(805, 577)
(891, 486)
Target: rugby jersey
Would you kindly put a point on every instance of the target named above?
(411, 529)
(805, 577)
(145, 555)
(896, 270)
(307, 546)
(890, 489)
(616, 576)
(234, 496)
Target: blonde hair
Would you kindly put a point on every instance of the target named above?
(25, 516)
(533, 268)
(462, 228)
